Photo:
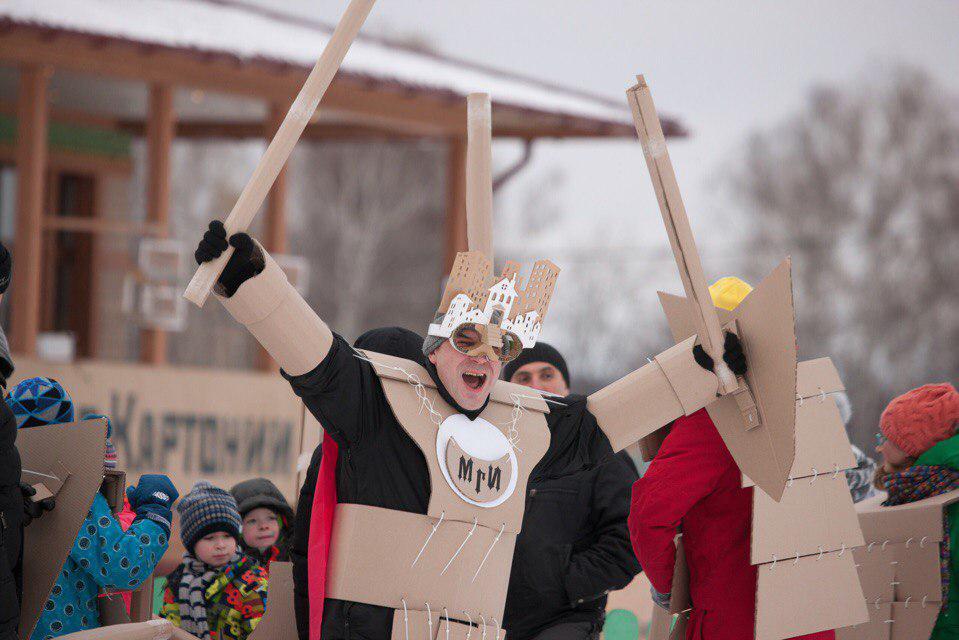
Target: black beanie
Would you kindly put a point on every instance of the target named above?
(540, 352)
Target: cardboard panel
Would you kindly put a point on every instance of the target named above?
(822, 445)
(279, 620)
(810, 515)
(809, 596)
(817, 376)
(370, 543)
(916, 520)
(917, 572)
(877, 571)
(767, 330)
(188, 422)
(645, 400)
(78, 447)
(912, 622)
(532, 440)
(878, 627)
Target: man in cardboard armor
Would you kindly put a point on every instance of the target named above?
(430, 490)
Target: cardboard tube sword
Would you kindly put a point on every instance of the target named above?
(709, 330)
(276, 155)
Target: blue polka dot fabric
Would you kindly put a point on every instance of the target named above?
(103, 557)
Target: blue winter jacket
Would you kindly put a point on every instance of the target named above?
(103, 556)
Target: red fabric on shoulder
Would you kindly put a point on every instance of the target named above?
(321, 528)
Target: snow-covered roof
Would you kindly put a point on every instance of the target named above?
(254, 34)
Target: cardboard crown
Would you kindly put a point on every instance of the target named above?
(472, 295)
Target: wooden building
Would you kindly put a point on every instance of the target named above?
(81, 79)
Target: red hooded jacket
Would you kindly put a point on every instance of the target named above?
(694, 483)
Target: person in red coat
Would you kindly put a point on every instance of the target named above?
(693, 484)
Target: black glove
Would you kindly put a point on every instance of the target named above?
(733, 355)
(6, 268)
(245, 263)
(33, 510)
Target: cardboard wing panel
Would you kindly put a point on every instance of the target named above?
(78, 447)
(279, 620)
(822, 445)
(767, 330)
(877, 627)
(811, 516)
(816, 377)
(912, 621)
(680, 599)
(900, 523)
(375, 551)
(808, 596)
(877, 572)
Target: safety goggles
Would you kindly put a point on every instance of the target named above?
(473, 339)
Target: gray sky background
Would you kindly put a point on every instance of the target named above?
(724, 69)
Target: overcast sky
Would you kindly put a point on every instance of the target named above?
(723, 68)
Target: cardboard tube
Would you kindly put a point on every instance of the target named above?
(276, 155)
(479, 180)
(280, 319)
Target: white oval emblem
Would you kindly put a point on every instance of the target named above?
(477, 460)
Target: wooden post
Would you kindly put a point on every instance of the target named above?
(274, 236)
(455, 203)
(160, 130)
(32, 122)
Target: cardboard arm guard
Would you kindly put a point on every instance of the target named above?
(669, 387)
(280, 319)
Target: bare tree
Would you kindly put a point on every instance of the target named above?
(862, 188)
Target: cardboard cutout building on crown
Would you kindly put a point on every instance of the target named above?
(472, 295)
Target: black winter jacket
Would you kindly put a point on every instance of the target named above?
(11, 526)
(380, 465)
(574, 547)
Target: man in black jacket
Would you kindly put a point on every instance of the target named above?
(392, 341)
(574, 547)
(379, 464)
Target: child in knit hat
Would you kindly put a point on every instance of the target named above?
(217, 593)
(105, 556)
(267, 521)
(920, 459)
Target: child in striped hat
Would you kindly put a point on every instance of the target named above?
(217, 593)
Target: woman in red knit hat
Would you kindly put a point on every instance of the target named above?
(920, 459)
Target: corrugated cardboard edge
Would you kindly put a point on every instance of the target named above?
(502, 392)
(279, 619)
(48, 540)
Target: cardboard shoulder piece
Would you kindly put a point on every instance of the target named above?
(279, 619)
(899, 567)
(70, 458)
(755, 414)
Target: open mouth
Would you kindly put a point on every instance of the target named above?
(474, 380)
